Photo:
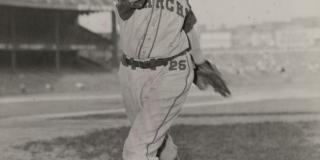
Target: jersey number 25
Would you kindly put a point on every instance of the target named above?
(177, 65)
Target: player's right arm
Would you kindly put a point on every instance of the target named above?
(126, 8)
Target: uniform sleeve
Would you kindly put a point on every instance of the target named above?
(190, 20)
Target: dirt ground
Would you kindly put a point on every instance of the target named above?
(251, 141)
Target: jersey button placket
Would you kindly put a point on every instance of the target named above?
(151, 35)
(149, 40)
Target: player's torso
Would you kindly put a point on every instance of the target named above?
(155, 30)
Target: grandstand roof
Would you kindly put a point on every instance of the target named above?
(75, 5)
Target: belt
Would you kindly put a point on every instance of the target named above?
(152, 64)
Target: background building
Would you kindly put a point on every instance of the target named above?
(216, 40)
(297, 37)
(48, 27)
(295, 34)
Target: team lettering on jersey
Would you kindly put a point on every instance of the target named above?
(170, 5)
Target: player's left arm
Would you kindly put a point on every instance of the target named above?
(194, 40)
(206, 73)
(195, 47)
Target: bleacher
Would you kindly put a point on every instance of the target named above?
(48, 25)
(268, 67)
(35, 30)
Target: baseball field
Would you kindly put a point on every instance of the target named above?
(274, 114)
(256, 123)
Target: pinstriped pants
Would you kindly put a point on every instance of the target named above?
(153, 100)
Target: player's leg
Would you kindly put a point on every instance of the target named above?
(161, 104)
(131, 83)
(168, 150)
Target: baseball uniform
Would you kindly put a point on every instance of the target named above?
(156, 73)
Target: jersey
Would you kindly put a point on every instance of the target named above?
(159, 29)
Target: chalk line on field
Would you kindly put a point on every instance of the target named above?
(76, 97)
(189, 105)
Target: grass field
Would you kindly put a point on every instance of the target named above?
(262, 141)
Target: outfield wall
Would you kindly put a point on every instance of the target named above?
(263, 65)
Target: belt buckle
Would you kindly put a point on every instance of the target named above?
(124, 61)
(153, 65)
(132, 63)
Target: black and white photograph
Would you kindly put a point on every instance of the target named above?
(159, 79)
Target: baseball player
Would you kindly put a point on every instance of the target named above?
(161, 54)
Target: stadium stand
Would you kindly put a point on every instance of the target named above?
(48, 25)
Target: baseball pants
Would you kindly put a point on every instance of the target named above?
(153, 100)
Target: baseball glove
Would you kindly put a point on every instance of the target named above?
(208, 74)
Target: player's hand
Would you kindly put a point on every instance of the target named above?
(207, 74)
